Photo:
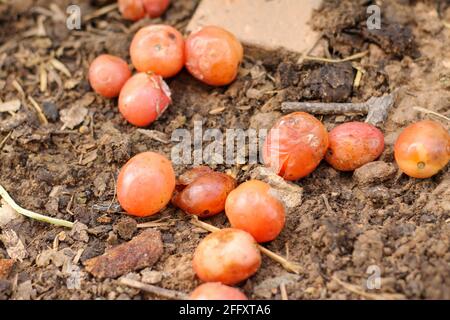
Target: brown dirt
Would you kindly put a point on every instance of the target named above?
(397, 223)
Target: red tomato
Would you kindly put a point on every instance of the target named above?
(423, 149)
(213, 55)
(132, 9)
(108, 74)
(204, 196)
(156, 8)
(216, 291)
(253, 208)
(145, 184)
(143, 99)
(137, 9)
(295, 145)
(228, 256)
(353, 145)
(158, 48)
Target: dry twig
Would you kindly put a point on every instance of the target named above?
(165, 293)
(350, 58)
(39, 111)
(3, 142)
(373, 296)
(100, 12)
(376, 108)
(423, 110)
(283, 291)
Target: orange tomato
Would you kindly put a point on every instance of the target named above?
(137, 9)
(108, 74)
(213, 55)
(145, 184)
(155, 8)
(423, 149)
(158, 48)
(353, 145)
(216, 291)
(295, 145)
(143, 99)
(228, 256)
(205, 195)
(253, 208)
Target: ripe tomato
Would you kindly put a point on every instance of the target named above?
(145, 184)
(205, 195)
(137, 9)
(155, 8)
(423, 149)
(253, 208)
(216, 291)
(295, 145)
(228, 256)
(158, 48)
(143, 99)
(354, 144)
(108, 74)
(213, 55)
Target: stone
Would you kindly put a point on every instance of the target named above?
(126, 227)
(374, 172)
(289, 193)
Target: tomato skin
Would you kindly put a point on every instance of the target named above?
(295, 145)
(354, 144)
(145, 184)
(191, 175)
(108, 74)
(228, 256)
(422, 149)
(205, 195)
(143, 99)
(216, 291)
(213, 56)
(158, 48)
(138, 9)
(251, 207)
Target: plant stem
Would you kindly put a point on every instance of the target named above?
(30, 214)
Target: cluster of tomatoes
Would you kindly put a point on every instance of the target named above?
(212, 55)
(294, 147)
(298, 142)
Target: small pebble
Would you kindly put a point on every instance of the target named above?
(374, 172)
(51, 111)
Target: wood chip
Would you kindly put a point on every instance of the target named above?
(141, 252)
(58, 65)
(10, 106)
(43, 82)
(5, 267)
(7, 214)
(14, 246)
(217, 110)
(90, 157)
(73, 116)
(155, 135)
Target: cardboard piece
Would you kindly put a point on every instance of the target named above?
(265, 24)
